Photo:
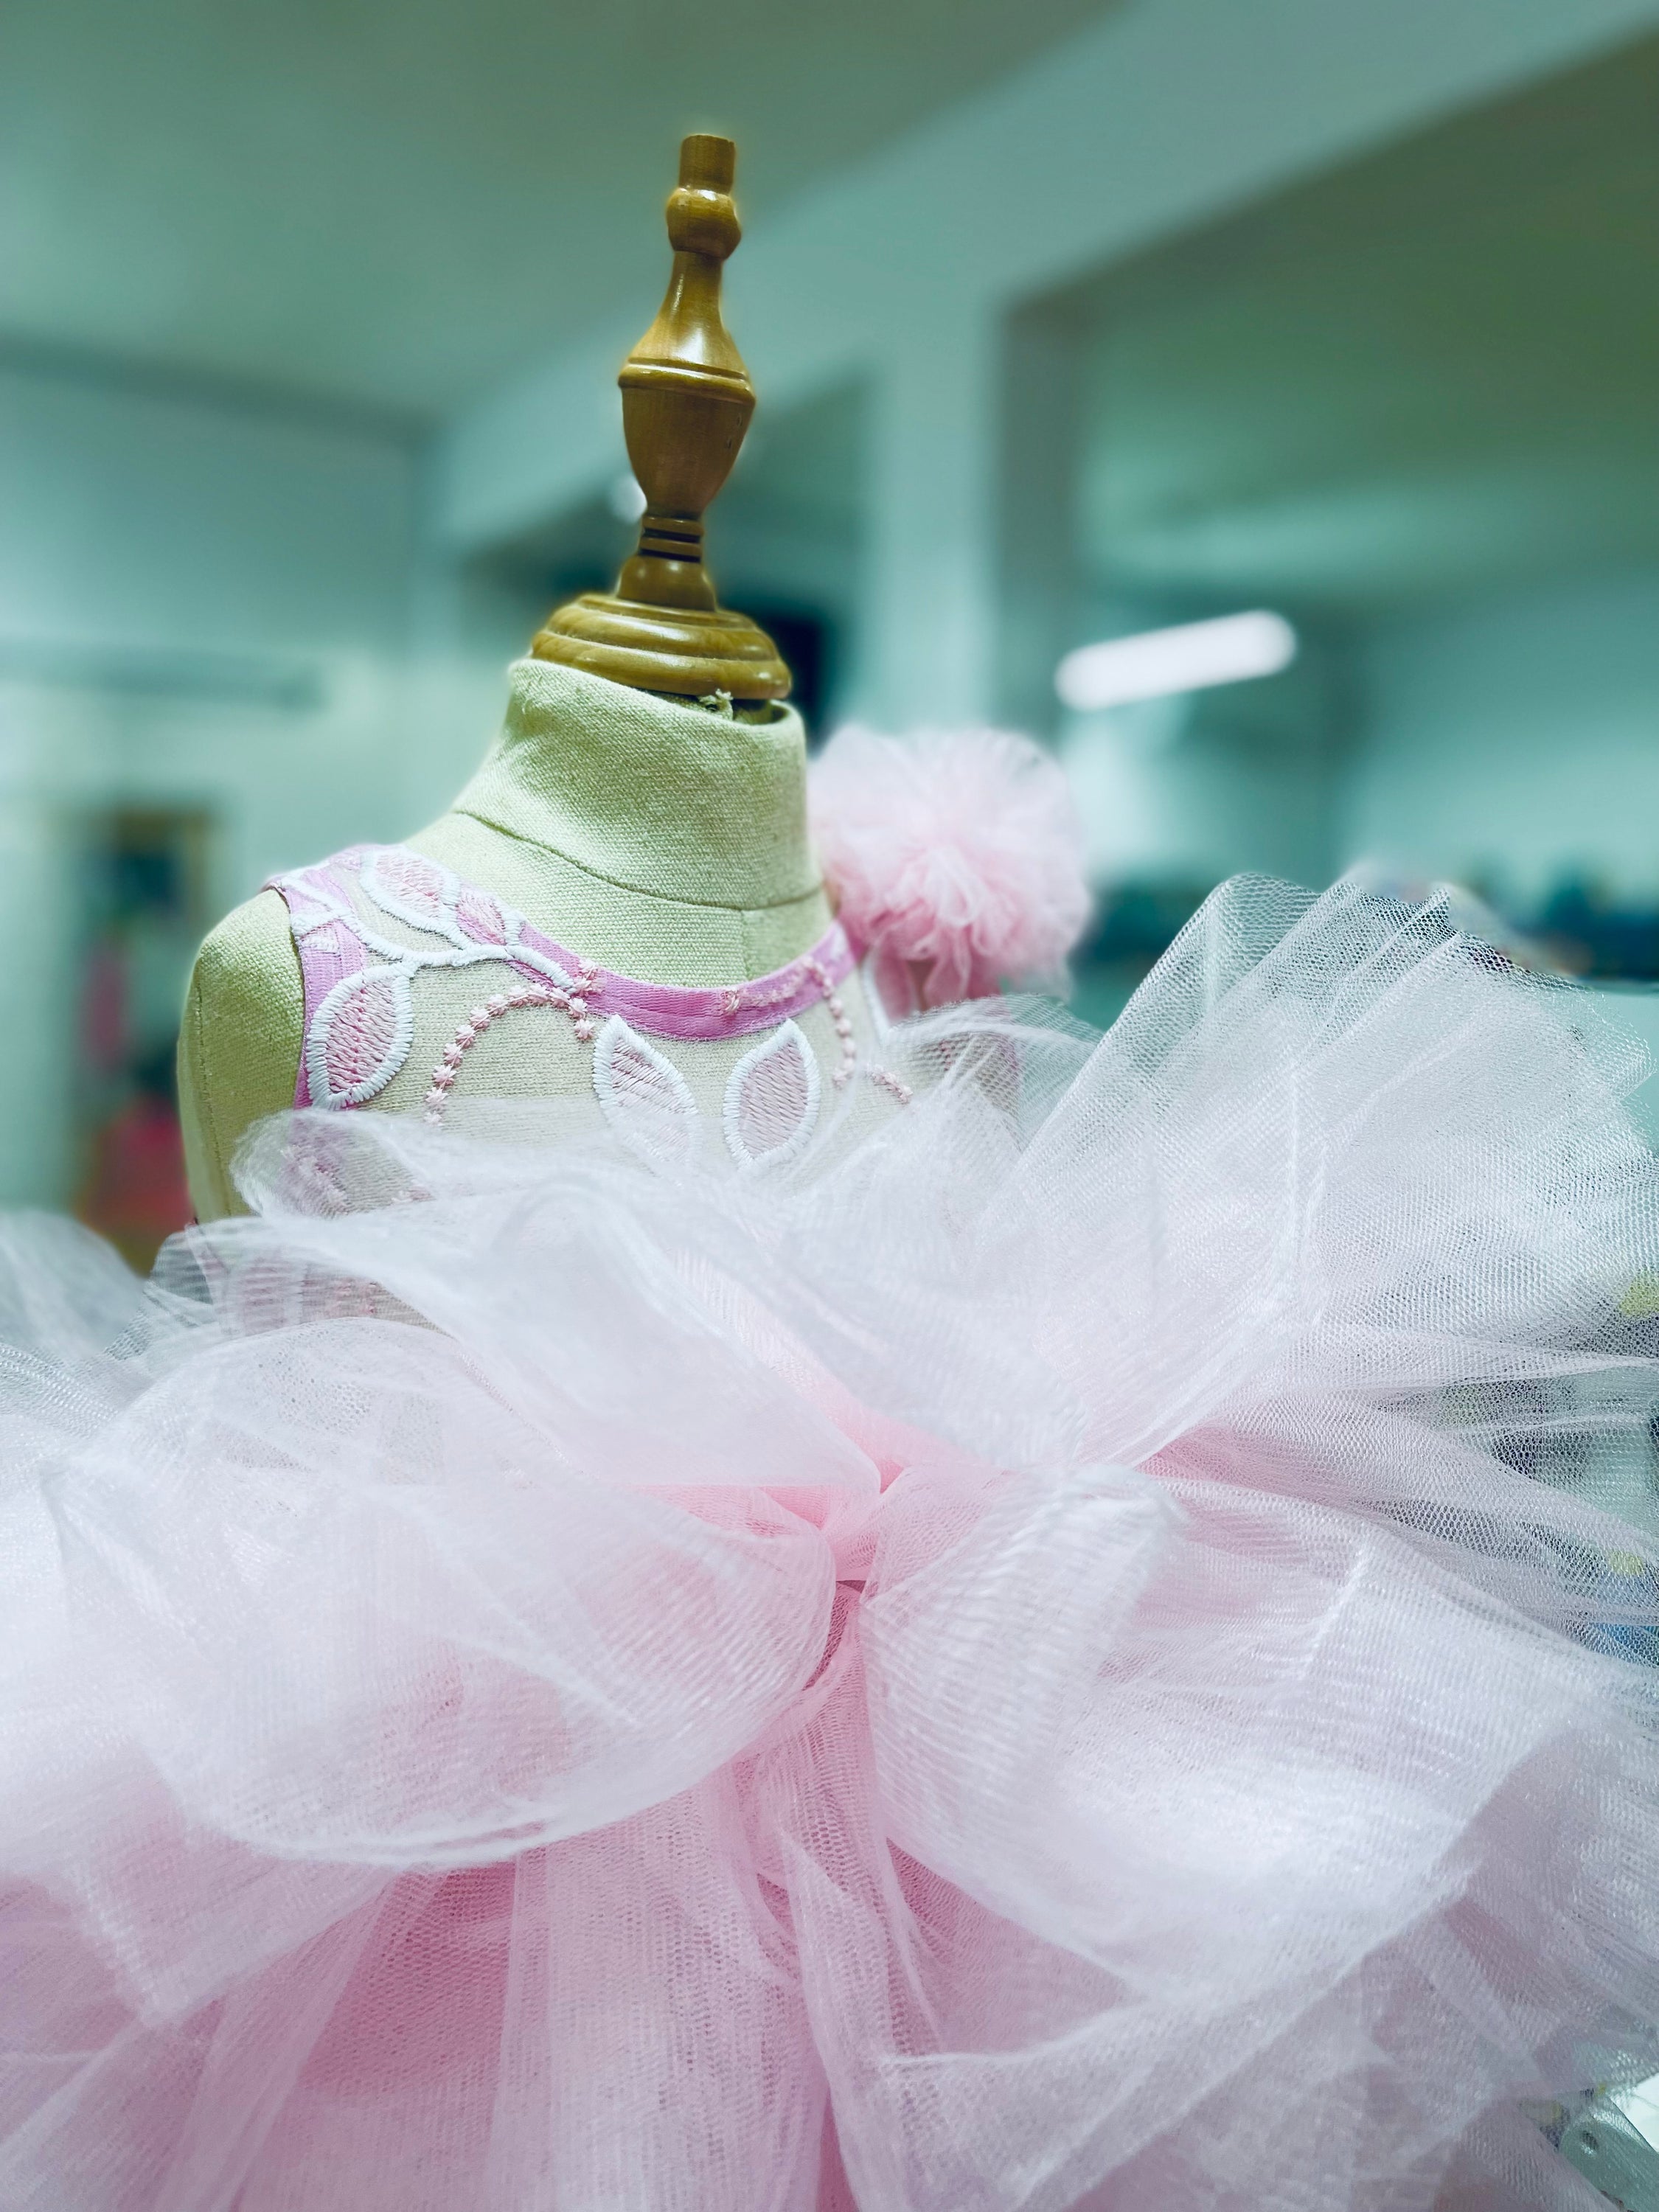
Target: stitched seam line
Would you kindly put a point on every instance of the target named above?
(621, 883)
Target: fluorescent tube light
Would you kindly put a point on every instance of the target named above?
(1156, 663)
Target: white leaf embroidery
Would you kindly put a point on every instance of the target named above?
(359, 1037)
(643, 1096)
(415, 890)
(772, 1101)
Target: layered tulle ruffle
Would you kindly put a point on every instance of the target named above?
(1090, 1643)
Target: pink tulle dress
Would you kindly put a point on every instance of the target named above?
(1085, 1640)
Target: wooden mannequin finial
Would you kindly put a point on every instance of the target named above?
(686, 404)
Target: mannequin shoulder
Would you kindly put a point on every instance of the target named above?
(239, 1046)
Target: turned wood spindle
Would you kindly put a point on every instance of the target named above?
(686, 404)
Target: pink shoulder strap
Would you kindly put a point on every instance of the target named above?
(359, 1008)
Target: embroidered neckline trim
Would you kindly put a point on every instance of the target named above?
(359, 1022)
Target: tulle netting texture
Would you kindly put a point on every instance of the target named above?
(1088, 1644)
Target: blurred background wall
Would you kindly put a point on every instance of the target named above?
(1070, 323)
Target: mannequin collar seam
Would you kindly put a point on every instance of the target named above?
(814, 889)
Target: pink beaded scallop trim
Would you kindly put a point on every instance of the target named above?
(573, 1003)
(838, 1013)
(849, 1051)
(577, 1004)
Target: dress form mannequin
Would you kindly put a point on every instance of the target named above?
(617, 814)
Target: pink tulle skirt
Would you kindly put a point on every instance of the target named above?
(1090, 1643)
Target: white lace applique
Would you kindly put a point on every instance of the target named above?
(645, 1099)
(772, 1096)
(412, 888)
(360, 1036)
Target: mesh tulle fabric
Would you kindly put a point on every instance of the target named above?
(1090, 1644)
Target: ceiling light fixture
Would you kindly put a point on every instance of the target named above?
(1157, 663)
